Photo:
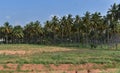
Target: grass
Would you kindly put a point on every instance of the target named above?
(42, 54)
(19, 46)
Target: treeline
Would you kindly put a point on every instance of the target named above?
(92, 28)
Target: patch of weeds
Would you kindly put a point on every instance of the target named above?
(47, 65)
(118, 71)
(6, 71)
(25, 71)
(5, 66)
(64, 72)
(19, 67)
(56, 64)
(22, 61)
(108, 66)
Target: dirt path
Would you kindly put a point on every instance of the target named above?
(13, 52)
(32, 51)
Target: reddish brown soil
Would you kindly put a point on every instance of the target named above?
(62, 68)
(1, 67)
(33, 67)
(11, 67)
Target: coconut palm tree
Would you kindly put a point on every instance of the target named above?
(87, 23)
(79, 28)
(96, 27)
(6, 30)
(118, 14)
(17, 34)
(69, 25)
(113, 17)
(55, 26)
(1, 35)
(33, 32)
(63, 29)
(48, 33)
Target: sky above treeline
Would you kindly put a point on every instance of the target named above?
(21, 12)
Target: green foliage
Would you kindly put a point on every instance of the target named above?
(77, 55)
(92, 28)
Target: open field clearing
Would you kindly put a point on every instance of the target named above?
(29, 49)
(21, 58)
(60, 36)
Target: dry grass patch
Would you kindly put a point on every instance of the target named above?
(52, 49)
(29, 49)
(13, 52)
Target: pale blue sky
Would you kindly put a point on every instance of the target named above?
(23, 11)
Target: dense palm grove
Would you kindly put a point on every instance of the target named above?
(92, 28)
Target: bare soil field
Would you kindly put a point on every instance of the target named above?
(52, 59)
(62, 68)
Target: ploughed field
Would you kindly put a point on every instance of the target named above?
(26, 58)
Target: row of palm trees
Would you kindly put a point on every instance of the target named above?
(91, 28)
